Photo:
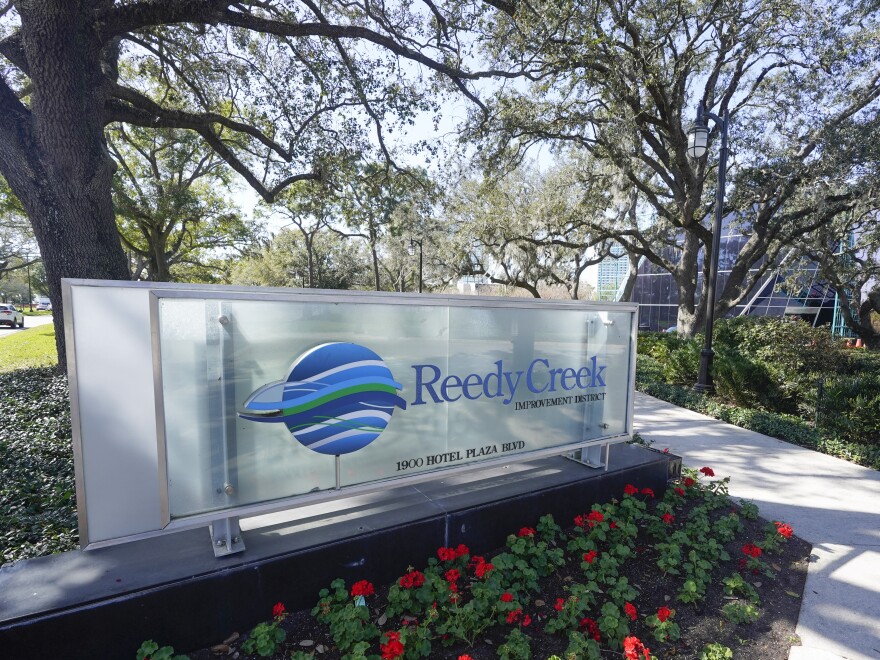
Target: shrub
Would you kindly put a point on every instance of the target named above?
(37, 495)
(790, 351)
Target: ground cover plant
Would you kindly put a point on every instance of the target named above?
(37, 496)
(767, 374)
(685, 575)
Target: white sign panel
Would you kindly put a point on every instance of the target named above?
(239, 401)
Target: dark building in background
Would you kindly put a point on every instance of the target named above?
(657, 295)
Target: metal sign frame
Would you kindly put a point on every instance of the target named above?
(224, 523)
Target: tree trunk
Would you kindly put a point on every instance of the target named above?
(54, 155)
(690, 317)
(631, 276)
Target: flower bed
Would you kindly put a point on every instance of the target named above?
(685, 576)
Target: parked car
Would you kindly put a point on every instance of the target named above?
(42, 307)
(10, 316)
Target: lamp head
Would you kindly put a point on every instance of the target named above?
(698, 139)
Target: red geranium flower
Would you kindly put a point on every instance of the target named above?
(446, 554)
(784, 529)
(452, 575)
(475, 561)
(393, 648)
(633, 649)
(465, 657)
(513, 616)
(594, 517)
(630, 611)
(412, 579)
(629, 489)
(461, 550)
(592, 627)
(278, 610)
(526, 620)
(679, 491)
(483, 568)
(688, 482)
(362, 588)
(709, 472)
(663, 613)
(613, 525)
(590, 556)
(648, 492)
(527, 531)
(506, 597)
(667, 518)
(751, 550)
(560, 603)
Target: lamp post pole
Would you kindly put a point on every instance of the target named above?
(414, 242)
(698, 148)
(30, 295)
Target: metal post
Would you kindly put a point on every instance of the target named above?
(820, 390)
(414, 242)
(30, 295)
(225, 534)
(704, 380)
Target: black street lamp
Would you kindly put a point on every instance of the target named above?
(413, 242)
(698, 139)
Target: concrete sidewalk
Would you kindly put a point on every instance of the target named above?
(833, 504)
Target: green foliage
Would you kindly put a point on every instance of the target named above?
(336, 262)
(349, 622)
(149, 650)
(716, 651)
(749, 510)
(740, 613)
(515, 647)
(850, 406)
(172, 215)
(765, 370)
(416, 640)
(465, 622)
(37, 493)
(664, 631)
(580, 600)
(786, 427)
(735, 585)
(613, 623)
(581, 647)
(264, 639)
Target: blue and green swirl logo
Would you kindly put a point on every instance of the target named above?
(337, 399)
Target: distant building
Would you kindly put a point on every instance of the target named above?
(657, 295)
(609, 275)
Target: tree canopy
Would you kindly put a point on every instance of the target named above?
(279, 89)
(174, 220)
(621, 81)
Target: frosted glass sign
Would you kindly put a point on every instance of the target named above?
(268, 399)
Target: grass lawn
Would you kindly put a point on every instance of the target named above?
(29, 348)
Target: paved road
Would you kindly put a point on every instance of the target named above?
(833, 504)
(29, 322)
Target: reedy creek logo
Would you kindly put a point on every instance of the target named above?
(539, 378)
(337, 398)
